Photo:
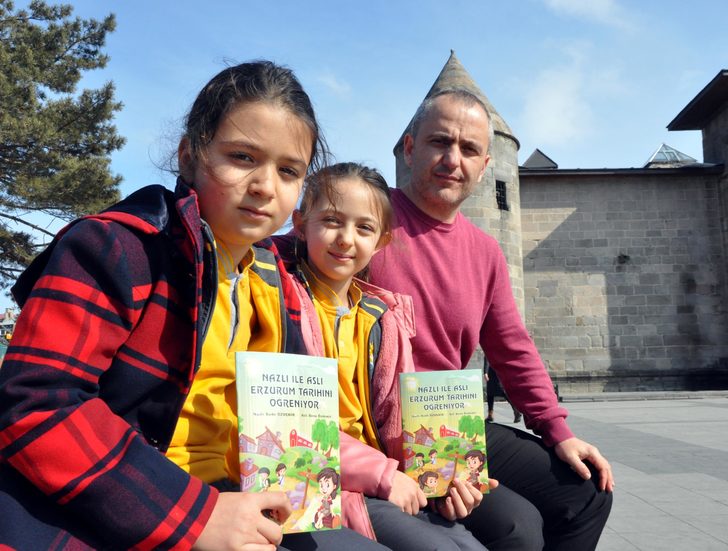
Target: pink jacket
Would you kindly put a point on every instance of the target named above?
(365, 470)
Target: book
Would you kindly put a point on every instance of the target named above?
(443, 429)
(288, 432)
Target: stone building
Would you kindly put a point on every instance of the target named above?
(620, 273)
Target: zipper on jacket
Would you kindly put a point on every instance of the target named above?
(207, 306)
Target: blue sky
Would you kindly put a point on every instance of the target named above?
(592, 83)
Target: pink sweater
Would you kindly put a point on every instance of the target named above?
(458, 279)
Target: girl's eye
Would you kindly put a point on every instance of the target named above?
(242, 156)
(292, 172)
(367, 228)
(330, 220)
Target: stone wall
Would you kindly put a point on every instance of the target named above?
(505, 225)
(624, 276)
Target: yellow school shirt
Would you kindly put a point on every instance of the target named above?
(346, 334)
(246, 317)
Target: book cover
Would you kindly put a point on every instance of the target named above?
(443, 429)
(288, 430)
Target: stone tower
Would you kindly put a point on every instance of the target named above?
(495, 205)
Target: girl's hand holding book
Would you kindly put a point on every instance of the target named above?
(238, 521)
(462, 499)
(406, 494)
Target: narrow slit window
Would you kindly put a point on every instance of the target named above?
(501, 198)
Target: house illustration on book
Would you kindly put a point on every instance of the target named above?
(270, 444)
(246, 444)
(409, 457)
(424, 436)
(407, 437)
(248, 471)
(296, 439)
(444, 432)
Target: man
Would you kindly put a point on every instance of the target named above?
(555, 491)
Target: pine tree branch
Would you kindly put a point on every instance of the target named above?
(9, 272)
(21, 221)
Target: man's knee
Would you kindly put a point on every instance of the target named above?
(525, 532)
(511, 524)
(585, 516)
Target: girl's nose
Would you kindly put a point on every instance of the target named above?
(263, 182)
(345, 236)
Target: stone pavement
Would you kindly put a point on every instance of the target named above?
(669, 453)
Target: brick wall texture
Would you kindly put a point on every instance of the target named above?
(625, 278)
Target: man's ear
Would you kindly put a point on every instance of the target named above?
(298, 224)
(485, 165)
(408, 144)
(185, 160)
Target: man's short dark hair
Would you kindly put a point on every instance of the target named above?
(462, 95)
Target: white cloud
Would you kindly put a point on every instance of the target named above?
(607, 12)
(556, 112)
(336, 86)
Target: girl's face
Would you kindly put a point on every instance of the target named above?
(431, 481)
(326, 485)
(473, 463)
(341, 238)
(249, 180)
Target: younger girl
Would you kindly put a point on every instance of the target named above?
(344, 218)
(117, 402)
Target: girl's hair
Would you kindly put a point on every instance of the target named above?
(328, 472)
(422, 479)
(280, 466)
(256, 81)
(322, 182)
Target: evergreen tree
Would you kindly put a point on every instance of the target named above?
(54, 142)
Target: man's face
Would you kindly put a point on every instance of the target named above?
(447, 157)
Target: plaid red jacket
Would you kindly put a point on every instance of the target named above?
(113, 318)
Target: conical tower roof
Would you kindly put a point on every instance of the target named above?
(454, 76)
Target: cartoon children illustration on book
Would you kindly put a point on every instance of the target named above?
(433, 456)
(428, 482)
(475, 461)
(419, 461)
(281, 474)
(328, 481)
(263, 479)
